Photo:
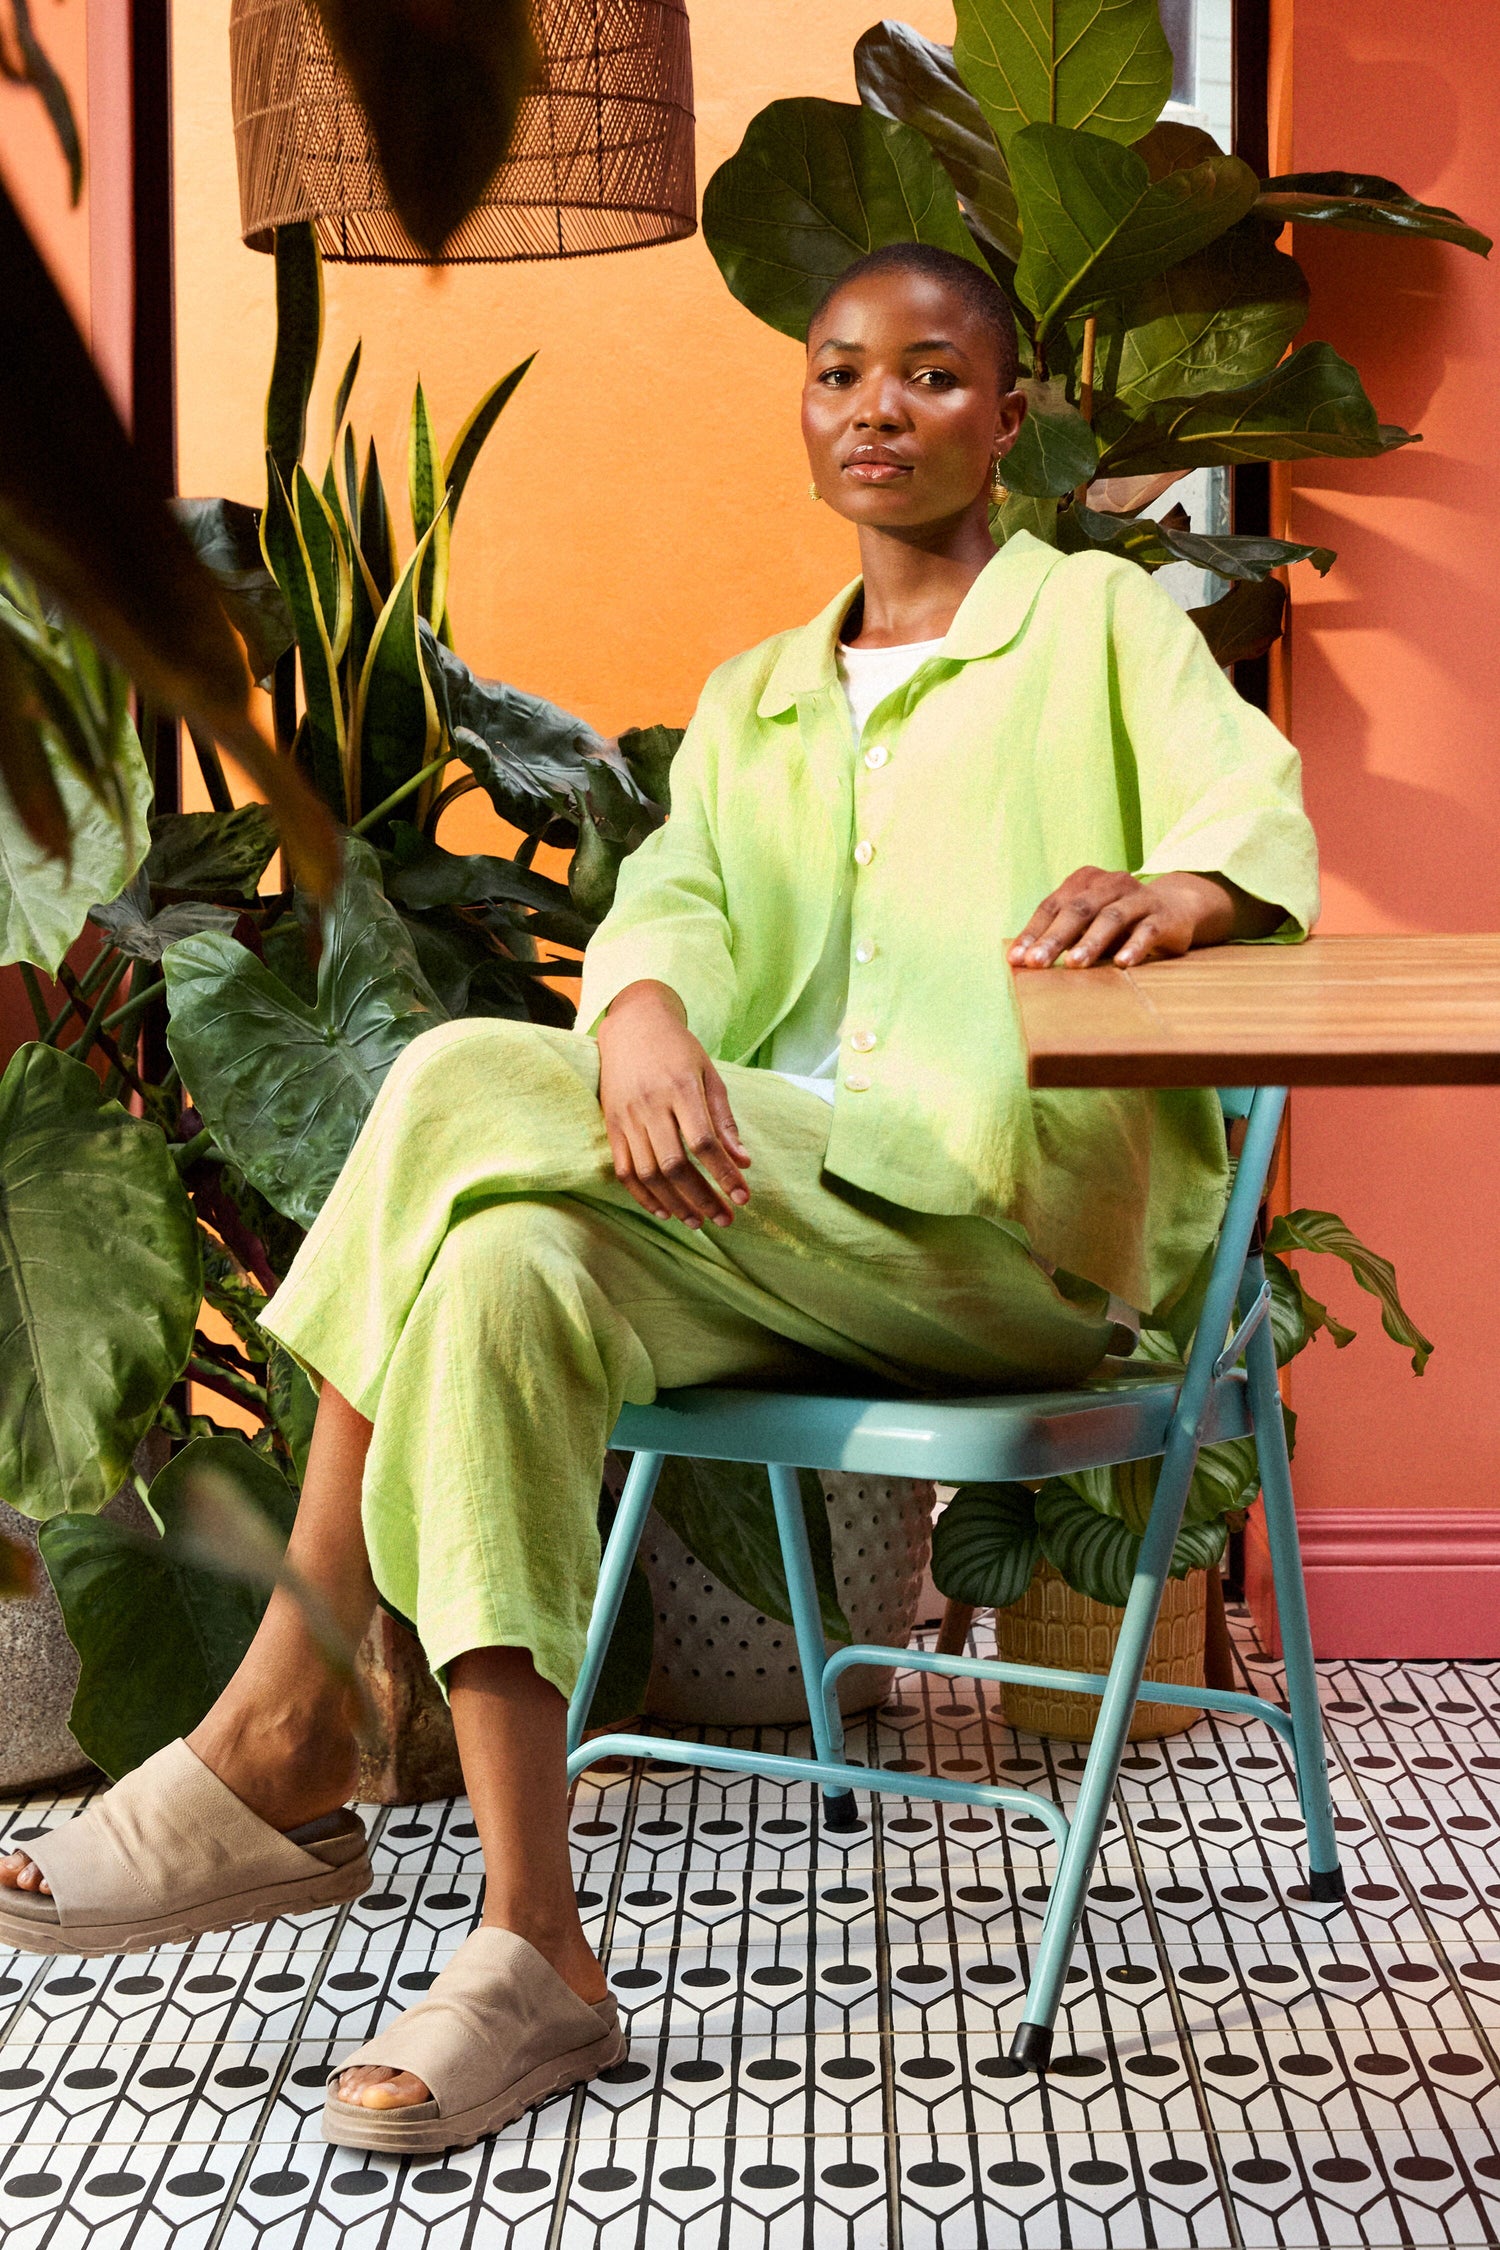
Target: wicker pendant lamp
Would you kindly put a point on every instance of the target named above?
(601, 158)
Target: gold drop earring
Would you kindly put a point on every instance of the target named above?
(997, 482)
(813, 493)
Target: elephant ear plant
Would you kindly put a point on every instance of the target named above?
(1154, 306)
(140, 1248)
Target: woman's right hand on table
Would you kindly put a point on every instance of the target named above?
(675, 1143)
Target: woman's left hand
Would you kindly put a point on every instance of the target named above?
(1098, 915)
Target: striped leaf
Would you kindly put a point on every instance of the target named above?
(423, 484)
(397, 729)
(286, 554)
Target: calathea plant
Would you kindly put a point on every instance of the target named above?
(1154, 306)
(253, 1028)
(991, 1538)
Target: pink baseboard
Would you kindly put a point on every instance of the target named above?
(1395, 1582)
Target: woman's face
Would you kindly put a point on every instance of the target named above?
(902, 412)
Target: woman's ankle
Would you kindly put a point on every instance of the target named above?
(560, 1943)
(289, 1760)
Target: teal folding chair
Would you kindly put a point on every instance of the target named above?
(1134, 1414)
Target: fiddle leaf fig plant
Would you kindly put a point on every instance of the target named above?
(1154, 305)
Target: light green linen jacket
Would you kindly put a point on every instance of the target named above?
(1073, 716)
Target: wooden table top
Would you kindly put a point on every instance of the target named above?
(1337, 1011)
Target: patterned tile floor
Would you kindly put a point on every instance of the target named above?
(819, 2023)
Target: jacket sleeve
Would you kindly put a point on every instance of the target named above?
(1220, 787)
(668, 922)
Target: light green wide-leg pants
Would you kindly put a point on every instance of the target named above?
(481, 1287)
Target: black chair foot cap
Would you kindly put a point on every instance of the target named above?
(840, 1811)
(1326, 1889)
(1032, 2046)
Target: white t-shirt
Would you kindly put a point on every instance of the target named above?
(805, 1046)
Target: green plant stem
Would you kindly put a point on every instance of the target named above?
(34, 995)
(185, 1153)
(82, 1045)
(399, 796)
(137, 1000)
(88, 985)
(228, 1386)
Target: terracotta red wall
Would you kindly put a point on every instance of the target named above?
(1394, 687)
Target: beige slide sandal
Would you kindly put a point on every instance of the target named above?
(499, 2031)
(171, 1853)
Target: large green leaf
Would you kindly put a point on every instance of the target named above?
(1055, 449)
(1245, 622)
(158, 1639)
(1216, 320)
(99, 1284)
(535, 760)
(1296, 1314)
(723, 1513)
(985, 1547)
(287, 554)
(424, 875)
(1097, 1553)
(322, 539)
(813, 186)
(284, 1086)
(1312, 405)
(1365, 203)
(1155, 545)
(1101, 64)
(44, 901)
(222, 854)
(649, 751)
(225, 536)
(903, 75)
(78, 510)
(398, 728)
(1096, 225)
(1326, 1231)
(128, 922)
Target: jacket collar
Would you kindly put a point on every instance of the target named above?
(990, 615)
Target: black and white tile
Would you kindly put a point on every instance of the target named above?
(819, 2022)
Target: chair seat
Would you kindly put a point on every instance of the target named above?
(1121, 1414)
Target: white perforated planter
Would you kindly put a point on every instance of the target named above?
(720, 1663)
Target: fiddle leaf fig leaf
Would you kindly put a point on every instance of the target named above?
(1312, 405)
(1054, 449)
(914, 80)
(1096, 225)
(1245, 622)
(813, 186)
(985, 1547)
(1103, 65)
(1155, 545)
(723, 1513)
(286, 1086)
(1220, 318)
(100, 1283)
(1326, 1231)
(1366, 204)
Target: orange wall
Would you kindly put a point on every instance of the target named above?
(641, 512)
(1395, 683)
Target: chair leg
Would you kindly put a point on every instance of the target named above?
(953, 1633)
(1325, 1877)
(839, 1809)
(1032, 2043)
(615, 1566)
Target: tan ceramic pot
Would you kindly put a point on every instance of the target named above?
(1052, 1624)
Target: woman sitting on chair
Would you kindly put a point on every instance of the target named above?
(792, 1129)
